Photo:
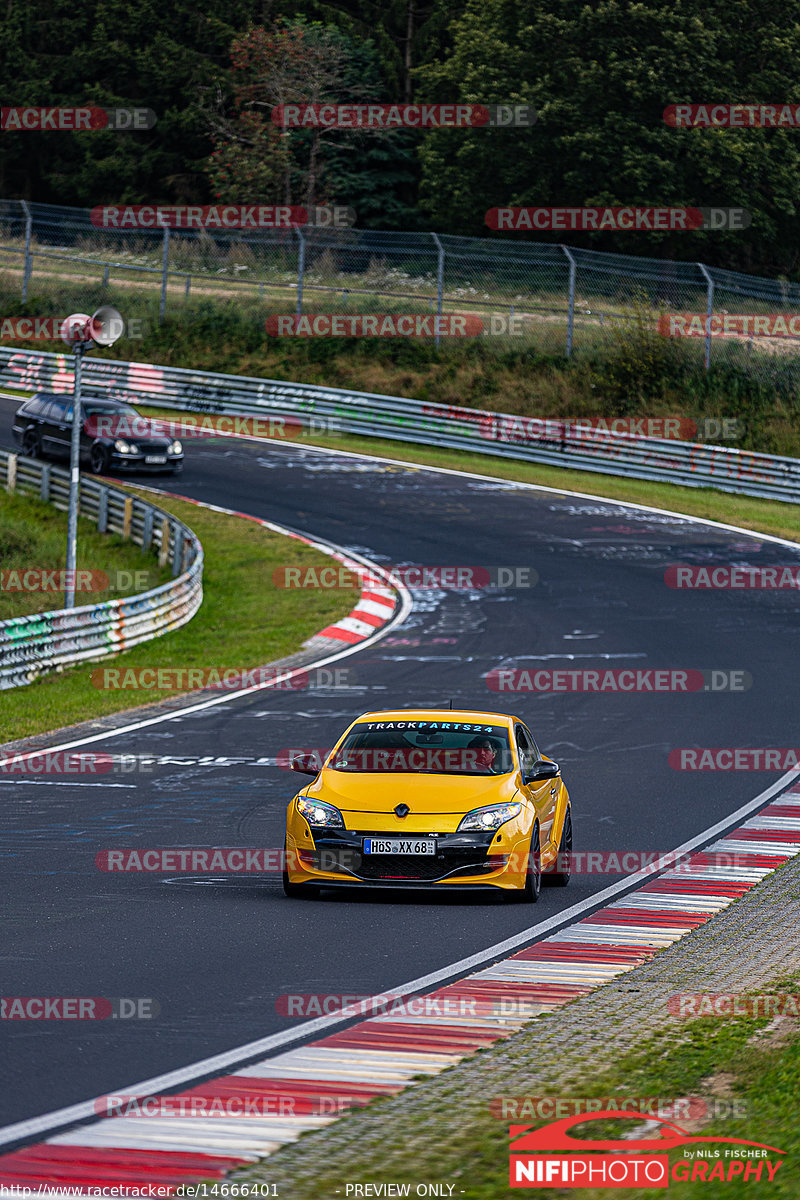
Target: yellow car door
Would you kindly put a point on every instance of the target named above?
(541, 784)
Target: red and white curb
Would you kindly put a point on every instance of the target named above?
(381, 1055)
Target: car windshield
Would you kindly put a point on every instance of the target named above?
(425, 748)
(120, 410)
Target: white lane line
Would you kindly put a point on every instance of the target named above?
(329, 548)
(218, 1063)
(85, 1109)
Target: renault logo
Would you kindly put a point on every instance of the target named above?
(402, 810)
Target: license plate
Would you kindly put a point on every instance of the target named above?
(399, 846)
(155, 458)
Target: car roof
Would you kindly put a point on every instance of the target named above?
(439, 714)
(68, 397)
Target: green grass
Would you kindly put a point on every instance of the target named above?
(33, 535)
(621, 369)
(468, 1146)
(245, 621)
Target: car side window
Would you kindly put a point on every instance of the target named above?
(527, 750)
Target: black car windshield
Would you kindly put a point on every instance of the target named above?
(425, 748)
(121, 410)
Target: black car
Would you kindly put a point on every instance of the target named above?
(43, 428)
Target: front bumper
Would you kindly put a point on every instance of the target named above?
(461, 860)
(135, 462)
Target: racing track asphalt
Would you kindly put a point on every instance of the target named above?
(216, 952)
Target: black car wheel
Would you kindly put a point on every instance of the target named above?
(99, 458)
(564, 858)
(32, 442)
(529, 894)
(297, 891)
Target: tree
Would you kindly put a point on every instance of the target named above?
(600, 76)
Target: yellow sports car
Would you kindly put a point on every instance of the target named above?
(430, 798)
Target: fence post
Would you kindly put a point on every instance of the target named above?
(709, 311)
(571, 308)
(439, 287)
(102, 510)
(11, 477)
(28, 264)
(177, 551)
(163, 552)
(164, 269)
(301, 270)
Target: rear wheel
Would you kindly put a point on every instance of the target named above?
(297, 891)
(32, 442)
(529, 894)
(564, 858)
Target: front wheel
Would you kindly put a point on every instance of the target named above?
(564, 856)
(529, 894)
(99, 458)
(31, 442)
(297, 891)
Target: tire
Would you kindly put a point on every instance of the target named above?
(298, 891)
(561, 878)
(529, 894)
(98, 459)
(32, 442)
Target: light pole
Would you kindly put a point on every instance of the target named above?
(103, 329)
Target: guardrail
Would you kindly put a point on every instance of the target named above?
(561, 444)
(33, 645)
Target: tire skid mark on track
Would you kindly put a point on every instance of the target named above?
(380, 1056)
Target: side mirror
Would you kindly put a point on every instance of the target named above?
(541, 770)
(304, 763)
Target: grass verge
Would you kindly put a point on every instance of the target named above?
(468, 1146)
(244, 621)
(33, 536)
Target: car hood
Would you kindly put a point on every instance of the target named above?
(379, 792)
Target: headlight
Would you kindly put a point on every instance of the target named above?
(123, 447)
(176, 447)
(489, 818)
(316, 812)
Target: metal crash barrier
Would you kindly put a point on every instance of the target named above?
(34, 645)
(560, 444)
